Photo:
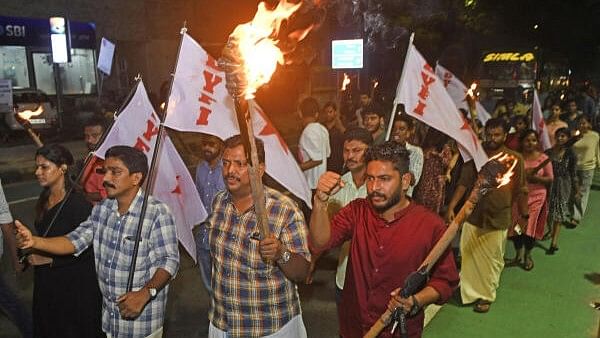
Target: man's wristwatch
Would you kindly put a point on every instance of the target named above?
(153, 293)
(285, 257)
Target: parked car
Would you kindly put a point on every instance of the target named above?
(34, 105)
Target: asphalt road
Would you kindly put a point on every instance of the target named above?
(188, 303)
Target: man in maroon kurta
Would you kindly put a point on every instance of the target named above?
(390, 237)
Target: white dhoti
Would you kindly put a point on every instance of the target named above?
(482, 252)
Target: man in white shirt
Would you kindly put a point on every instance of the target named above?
(356, 143)
(314, 143)
(403, 127)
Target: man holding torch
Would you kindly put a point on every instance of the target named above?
(253, 278)
(390, 236)
(483, 236)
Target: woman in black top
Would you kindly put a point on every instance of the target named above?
(66, 297)
(565, 187)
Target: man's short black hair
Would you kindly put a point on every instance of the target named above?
(309, 107)
(236, 140)
(496, 122)
(134, 159)
(372, 109)
(390, 151)
(330, 104)
(410, 122)
(95, 121)
(358, 134)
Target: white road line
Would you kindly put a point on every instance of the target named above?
(23, 200)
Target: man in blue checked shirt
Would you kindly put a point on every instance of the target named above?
(111, 229)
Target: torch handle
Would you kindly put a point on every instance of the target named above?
(35, 137)
(438, 250)
(444, 242)
(258, 194)
(472, 103)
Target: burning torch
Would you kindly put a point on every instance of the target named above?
(24, 119)
(496, 173)
(249, 59)
(471, 98)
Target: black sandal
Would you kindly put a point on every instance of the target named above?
(482, 306)
(528, 265)
(551, 250)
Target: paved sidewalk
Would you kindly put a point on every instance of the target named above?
(18, 163)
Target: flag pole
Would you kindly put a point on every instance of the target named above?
(86, 162)
(152, 169)
(402, 75)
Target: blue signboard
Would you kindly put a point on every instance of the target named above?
(36, 33)
(347, 54)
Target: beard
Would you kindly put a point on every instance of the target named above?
(390, 202)
(209, 156)
(491, 146)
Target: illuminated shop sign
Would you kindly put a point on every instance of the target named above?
(509, 56)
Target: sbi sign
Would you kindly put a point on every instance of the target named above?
(12, 31)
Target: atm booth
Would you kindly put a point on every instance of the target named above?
(26, 57)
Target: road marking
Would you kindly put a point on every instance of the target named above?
(23, 200)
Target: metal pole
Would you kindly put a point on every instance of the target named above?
(151, 172)
(402, 75)
(58, 87)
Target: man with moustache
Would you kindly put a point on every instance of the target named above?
(483, 236)
(92, 178)
(209, 182)
(111, 229)
(390, 236)
(356, 143)
(254, 279)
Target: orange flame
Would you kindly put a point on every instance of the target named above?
(346, 82)
(504, 179)
(28, 114)
(257, 47)
(471, 90)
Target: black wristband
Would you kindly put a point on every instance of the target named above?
(525, 216)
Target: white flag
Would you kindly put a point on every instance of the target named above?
(458, 91)
(537, 121)
(137, 126)
(425, 98)
(199, 102)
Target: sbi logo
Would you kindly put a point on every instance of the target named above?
(13, 31)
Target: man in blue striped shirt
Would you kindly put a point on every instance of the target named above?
(111, 229)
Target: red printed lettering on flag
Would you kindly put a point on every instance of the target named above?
(428, 77)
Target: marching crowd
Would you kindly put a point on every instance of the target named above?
(385, 200)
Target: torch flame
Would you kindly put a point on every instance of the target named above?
(28, 114)
(504, 178)
(346, 82)
(375, 84)
(257, 45)
(471, 90)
